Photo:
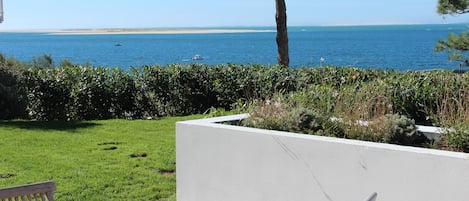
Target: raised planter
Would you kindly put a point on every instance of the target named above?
(218, 162)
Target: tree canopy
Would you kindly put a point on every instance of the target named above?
(446, 7)
(455, 44)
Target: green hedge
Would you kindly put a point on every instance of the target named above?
(85, 92)
(12, 98)
(72, 92)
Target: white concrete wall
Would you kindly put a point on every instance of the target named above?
(218, 162)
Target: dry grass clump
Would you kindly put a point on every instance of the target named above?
(453, 112)
(368, 111)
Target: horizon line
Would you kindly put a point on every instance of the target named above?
(213, 27)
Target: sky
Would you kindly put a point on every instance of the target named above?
(90, 14)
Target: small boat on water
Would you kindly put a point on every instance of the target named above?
(118, 45)
(197, 57)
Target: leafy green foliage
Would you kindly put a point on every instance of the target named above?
(287, 113)
(277, 114)
(390, 102)
(11, 95)
(45, 61)
(396, 129)
(85, 92)
(456, 45)
(73, 92)
(48, 93)
(456, 139)
(452, 7)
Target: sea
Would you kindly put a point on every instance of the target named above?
(400, 47)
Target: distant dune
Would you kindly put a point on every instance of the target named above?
(140, 31)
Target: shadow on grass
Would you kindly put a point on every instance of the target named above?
(48, 125)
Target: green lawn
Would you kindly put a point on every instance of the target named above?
(92, 160)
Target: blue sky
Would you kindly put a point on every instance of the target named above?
(64, 14)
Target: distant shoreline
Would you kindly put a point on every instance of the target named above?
(203, 30)
(137, 31)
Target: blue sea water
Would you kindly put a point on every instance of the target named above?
(401, 47)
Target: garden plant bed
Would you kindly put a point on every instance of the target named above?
(226, 162)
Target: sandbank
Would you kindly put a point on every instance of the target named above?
(139, 31)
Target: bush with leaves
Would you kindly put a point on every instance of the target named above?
(48, 93)
(456, 139)
(12, 103)
(93, 93)
(390, 128)
(277, 114)
(86, 92)
(124, 95)
(287, 113)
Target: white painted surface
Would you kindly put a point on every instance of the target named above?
(218, 162)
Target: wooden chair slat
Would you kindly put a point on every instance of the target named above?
(32, 192)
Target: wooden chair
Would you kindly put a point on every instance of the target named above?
(43, 191)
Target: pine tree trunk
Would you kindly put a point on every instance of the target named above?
(282, 34)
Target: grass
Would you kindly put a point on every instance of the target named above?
(92, 160)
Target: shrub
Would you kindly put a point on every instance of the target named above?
(12, 103)
(310, 96)
(44, 61)
(456, 139)
(92, 93)
(80, 93)
(390, 128)
(48, 93)
(162, 92)
(85, 92)
(354, 103)
(124, 96)
(278, 114)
